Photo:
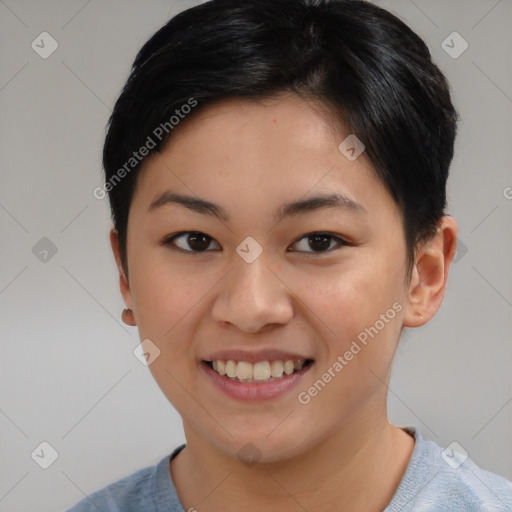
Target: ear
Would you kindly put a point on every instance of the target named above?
(430, 273)
(124, 284)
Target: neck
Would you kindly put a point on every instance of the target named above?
(370, 460)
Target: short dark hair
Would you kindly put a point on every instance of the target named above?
(369, 68)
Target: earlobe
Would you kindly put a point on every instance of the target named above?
(430, 274)
(128, 317)
(124, 284)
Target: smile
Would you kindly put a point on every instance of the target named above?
(263, 371)
(261, 380)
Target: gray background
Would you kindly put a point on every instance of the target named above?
(68, 374)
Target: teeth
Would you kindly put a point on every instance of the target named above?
(289, 366)
(276, 368)
(244, 370)
(231, 368)
(261, 371)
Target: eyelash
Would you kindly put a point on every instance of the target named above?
(340, 241)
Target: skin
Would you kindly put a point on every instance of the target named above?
(250, 158)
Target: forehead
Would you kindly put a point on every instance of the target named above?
(285, 116)
(249, 153)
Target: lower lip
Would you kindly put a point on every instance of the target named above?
(254, 391)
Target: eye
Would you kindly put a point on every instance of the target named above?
(319, 242)
(197, 242)
(190, 241)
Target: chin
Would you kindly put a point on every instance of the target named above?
(253, 446)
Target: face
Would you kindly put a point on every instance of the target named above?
(265, 273)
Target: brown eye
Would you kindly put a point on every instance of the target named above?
(319, 242)
(191, 241)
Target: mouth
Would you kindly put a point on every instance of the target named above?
(259, 372)
(258, 381)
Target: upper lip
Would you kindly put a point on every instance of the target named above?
(254, 356)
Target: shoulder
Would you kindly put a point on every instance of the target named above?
(142, 490)
(446, 479)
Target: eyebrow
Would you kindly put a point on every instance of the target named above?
(293, 208)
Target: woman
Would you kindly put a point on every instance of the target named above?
(277, 176)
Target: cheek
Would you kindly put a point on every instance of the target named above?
(163, 292)
(167, 301)
(358, 316)
(344, 301)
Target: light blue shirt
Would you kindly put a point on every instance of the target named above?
(430, 484)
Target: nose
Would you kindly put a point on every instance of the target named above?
(253, 298)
